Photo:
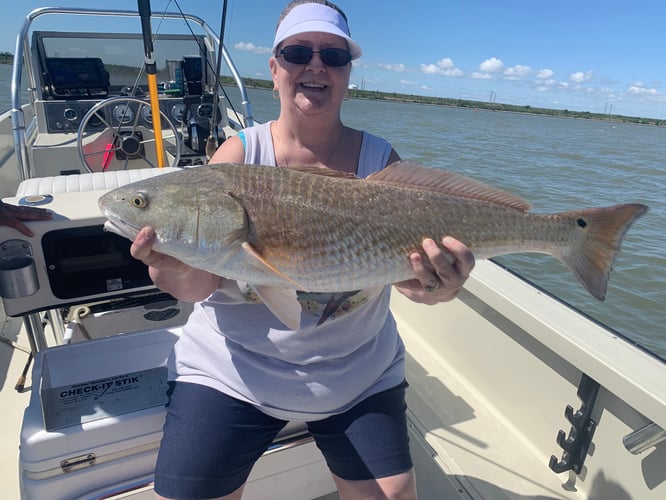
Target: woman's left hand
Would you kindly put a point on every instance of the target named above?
(441, 279)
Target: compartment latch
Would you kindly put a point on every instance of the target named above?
(76, 463)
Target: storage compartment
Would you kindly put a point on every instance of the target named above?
(94, 423)
(95, 415)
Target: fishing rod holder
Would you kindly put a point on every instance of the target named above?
(18, 276)
(577, 443)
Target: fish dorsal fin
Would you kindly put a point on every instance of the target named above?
(408, 174)
(325, 171)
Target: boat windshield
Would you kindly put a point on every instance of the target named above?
(84, 60)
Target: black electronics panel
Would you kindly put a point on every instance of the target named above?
(71, 77)
(87, 261)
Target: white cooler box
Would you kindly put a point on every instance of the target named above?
(94, 424)
(95, 415)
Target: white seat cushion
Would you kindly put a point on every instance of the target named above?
(87, 182)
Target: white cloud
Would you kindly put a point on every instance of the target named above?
(545, 74)
(444, 67)
(517, 72)
(492, 65)
(580, 77)
(639, 89)
(398, 68)
(250, 47)
(481, 76)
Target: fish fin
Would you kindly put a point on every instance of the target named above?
(282, 302)
(333, 304)
(591, 259)
(325, 171)
(264, 263)
(408, 174)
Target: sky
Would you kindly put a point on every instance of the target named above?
(583, 55)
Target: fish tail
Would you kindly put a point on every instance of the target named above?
(592, 257)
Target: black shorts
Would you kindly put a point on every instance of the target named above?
(211, 441)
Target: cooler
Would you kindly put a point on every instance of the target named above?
(94, 424)
(95, 415)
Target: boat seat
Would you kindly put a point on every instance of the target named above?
(96, 181)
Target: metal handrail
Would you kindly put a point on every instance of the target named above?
(22, 54)
(644, 438)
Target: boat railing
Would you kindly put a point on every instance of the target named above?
(23, 62)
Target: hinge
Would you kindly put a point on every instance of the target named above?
(577, 443)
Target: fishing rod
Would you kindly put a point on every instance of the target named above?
(219, 55)
(213, 140)
(151, 74)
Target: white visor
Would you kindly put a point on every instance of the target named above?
(315, 17)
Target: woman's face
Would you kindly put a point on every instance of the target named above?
(313, 88)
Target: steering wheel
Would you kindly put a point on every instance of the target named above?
(118, 130)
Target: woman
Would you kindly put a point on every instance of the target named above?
(238, 375)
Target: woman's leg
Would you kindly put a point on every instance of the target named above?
(210, 443)
(367, 448)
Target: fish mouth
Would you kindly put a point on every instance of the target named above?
(122, 228)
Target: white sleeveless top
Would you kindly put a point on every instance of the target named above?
(234, 344)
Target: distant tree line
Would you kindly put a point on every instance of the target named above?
(462, 103)
(6, 58)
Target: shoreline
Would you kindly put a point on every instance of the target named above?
(462, 103)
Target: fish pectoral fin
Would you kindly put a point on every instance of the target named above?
(282, 302)
(252, 252)
(413, 175)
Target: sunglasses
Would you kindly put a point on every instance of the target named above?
(300, 54)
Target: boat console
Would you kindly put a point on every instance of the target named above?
(73, 120)
(70, 259)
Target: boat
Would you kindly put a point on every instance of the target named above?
(513, 393)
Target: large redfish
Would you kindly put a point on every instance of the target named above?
(321, 231)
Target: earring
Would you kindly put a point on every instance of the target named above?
(276, 93)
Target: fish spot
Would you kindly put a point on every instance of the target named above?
(581, 223)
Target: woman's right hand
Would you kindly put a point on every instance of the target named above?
(171, 275)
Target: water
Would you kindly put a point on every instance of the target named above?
(557, 164)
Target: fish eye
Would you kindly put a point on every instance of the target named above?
(139, 200)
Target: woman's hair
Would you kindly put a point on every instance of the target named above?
(295, 3)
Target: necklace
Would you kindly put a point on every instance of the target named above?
(278, 146)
